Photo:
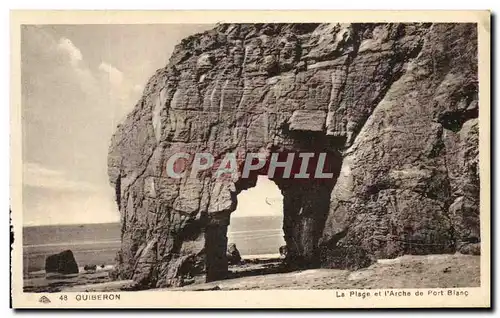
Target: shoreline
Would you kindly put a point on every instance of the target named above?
(39, 281)
(407, 271)
(109, 267)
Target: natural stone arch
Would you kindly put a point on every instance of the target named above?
(381, 94)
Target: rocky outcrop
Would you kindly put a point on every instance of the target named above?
(61, 263)
(393, 106)
(410, 183)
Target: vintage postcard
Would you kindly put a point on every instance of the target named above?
(267, 159)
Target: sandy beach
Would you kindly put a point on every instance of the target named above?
(409, 271)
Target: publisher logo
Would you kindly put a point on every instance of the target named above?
(44, 300)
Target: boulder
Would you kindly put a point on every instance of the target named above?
(233, 255)
(61, 263)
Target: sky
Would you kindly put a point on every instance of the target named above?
(78, 83)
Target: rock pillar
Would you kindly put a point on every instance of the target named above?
(215, 249)
(305, 209)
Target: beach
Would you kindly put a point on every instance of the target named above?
(256, 237)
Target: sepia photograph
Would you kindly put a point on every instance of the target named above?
(212, 156)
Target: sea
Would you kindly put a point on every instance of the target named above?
(97, 244)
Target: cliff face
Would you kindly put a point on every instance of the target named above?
(394, 107)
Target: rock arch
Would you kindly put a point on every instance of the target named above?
(373, 96)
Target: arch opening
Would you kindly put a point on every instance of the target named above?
(256, 226)
(304, 209)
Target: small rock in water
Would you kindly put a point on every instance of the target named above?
(233, 255)
(92, 268)
(283, 251)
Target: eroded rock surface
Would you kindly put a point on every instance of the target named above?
(394, 106)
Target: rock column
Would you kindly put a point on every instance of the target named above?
(215, 249)
(305, 211)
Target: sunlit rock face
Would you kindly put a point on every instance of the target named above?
(393, 106)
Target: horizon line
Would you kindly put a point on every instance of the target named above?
(113, 222)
